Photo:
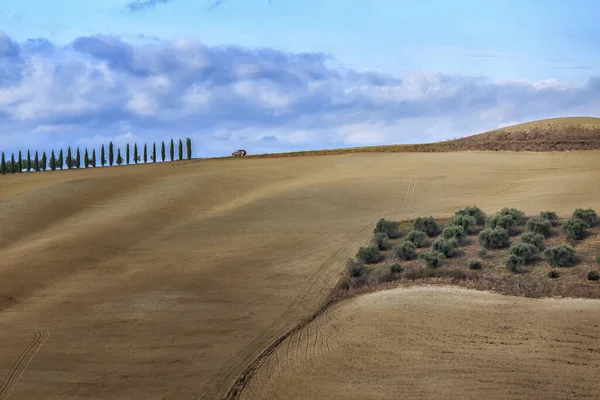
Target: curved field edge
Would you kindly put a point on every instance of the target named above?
(242, 379)
(339, 293)
(445, 342)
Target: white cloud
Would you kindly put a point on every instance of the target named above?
(101, 88)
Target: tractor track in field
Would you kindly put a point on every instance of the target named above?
(242, 366)
(22, 362)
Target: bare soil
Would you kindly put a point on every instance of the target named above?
(166, 281)
(439, 343)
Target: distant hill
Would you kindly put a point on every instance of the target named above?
(554, 134)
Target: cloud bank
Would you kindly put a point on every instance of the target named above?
(101, 88)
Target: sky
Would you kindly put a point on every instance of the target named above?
(286, 75)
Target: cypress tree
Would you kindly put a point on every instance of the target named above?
(3, 165)
(20, 165)
(44, 161)
(12, 164)
(69, 158)
(127, 153)
(119, 158)
(93, 158)
(111, 154)
(86, 158)
(28, 161)
(78, 158)
(36, 162)
(172, 150)
(188, 146)
(180, 150)
(162, 152)
(61, 160)
(154, 152)
(102, 157)
(135, 153)
(145, 153)
(52, 161)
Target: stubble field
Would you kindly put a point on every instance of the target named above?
(166, 281)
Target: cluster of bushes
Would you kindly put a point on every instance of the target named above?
(75, 161)
(465, 221)
(531, 244)
(496, 234)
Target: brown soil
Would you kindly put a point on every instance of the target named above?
(439, 343)
(166, 281)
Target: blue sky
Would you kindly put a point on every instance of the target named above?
(288, 74)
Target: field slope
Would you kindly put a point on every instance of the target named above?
(166, 281)
(439, 343)
(553, 134)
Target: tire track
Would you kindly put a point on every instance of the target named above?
(233, 363)
(307, 342)
(214, 388)
(22, 362)
(287, 354)
(277, 363)
(259, 384)
(305, 330)
(316, 339)
(298, 348)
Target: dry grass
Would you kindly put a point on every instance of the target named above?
(166, 281)
(555, 134)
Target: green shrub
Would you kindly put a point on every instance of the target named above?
(475, 265)
(453, 232)
(382, 241)
(482, 253)
(517, 215)
(396, 268)
(514, 263)
(598, 259)
(467, 222)
(406, 250)
(539, 225)
(561, 256)
(550, 216)
(506, 222)
(526, 251)
(588, 215)
(593, 276)
(433, 259)
(536, 239)
(554, 274)
(496, 238)
(417, 237)
(355, 268)
(369, 255)
(575, 229)
(447, 247)
(474, 212)
(427, 225)
(389, 227)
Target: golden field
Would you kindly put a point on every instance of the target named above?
(166, 281)
(439, 343)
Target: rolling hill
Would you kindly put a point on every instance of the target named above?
(164, 281)
(555, 134)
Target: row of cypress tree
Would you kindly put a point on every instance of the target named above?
(54, 162)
